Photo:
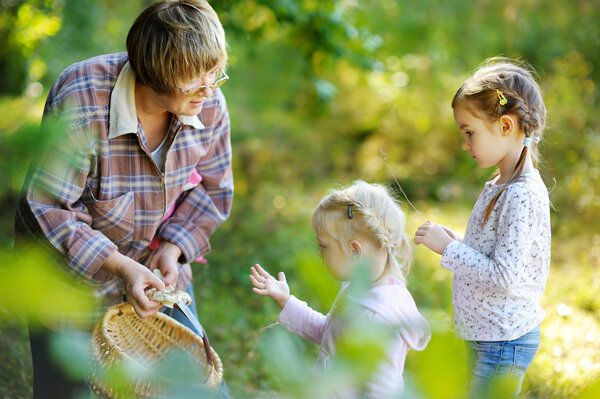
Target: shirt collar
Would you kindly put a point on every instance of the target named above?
(122, 116)
(193, 121)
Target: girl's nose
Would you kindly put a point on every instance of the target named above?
(466, 146)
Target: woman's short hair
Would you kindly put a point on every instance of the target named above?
(174, 42)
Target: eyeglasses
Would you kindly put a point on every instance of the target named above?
(196, 90)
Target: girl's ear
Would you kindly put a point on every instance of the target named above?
(357, 248)
(507, 124)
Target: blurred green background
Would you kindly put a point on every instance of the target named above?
(317, 90)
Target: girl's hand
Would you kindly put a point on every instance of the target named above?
(265, 284)
(165, 259)
(434, 236)
(451, 233)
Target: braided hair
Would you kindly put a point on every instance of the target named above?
(369, 211)
(504, 86)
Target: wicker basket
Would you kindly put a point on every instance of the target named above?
(121, 335)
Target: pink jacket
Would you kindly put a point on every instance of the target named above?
(391, 304)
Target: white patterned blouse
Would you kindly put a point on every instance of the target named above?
(500, 269)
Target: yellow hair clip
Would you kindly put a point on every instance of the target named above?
(501, 97)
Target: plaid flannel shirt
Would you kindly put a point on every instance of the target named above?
(100, 191)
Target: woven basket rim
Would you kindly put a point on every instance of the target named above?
(105, 350)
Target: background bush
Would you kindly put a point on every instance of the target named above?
(317, 90)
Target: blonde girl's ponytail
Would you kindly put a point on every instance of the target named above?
(503, 86)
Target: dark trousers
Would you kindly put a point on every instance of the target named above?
(49, 379)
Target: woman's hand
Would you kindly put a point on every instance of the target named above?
(136, 278)
(434, 236)
(265, 284)
(165, 259)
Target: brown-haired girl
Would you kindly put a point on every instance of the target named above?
(501, 266)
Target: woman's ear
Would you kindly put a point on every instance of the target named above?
(357, 248)
(507, 124)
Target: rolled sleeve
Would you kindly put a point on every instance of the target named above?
(191, 239)
(89, 252)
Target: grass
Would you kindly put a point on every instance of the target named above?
(15, 360)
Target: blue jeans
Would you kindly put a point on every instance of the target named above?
(498, 367)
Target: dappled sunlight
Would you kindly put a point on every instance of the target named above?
(20, 111)
(318, 89)
(570, 354)
(569, 357)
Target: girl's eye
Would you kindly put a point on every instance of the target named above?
(468, 133)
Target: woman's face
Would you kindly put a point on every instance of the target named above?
(189, 104)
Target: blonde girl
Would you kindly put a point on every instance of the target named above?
(501, 266)
(361, 223)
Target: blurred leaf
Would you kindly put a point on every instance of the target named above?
(69, 350)
(362, 347)
(33, 284)
(315, 277)
(285, 360)
(592, 391)
(445, 360)
(317, 89)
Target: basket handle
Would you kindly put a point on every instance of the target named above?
(197, 326)
(207, 348)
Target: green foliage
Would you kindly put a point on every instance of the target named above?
(24, 26)
(443, 349)
(592, 391)
(33, 284)
(317, 89)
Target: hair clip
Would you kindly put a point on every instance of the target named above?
(501, 97)
(527, 141)
(349, 212)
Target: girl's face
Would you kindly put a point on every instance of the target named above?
(483, 140)
(337, 261)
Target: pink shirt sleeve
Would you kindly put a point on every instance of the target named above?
(298, 318)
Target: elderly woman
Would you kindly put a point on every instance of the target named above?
(144, 154)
